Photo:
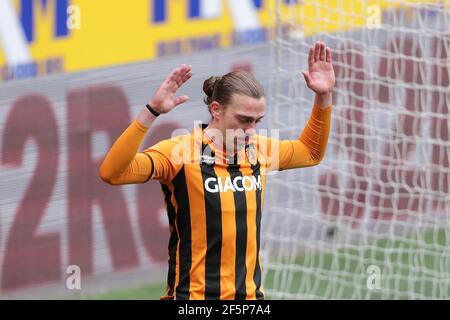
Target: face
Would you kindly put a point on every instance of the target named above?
(239, 119)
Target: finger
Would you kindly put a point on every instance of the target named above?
(187, 76)
(181, 99)
(311, 57)
(322, 51)
(185, 69)
(178, 77)
(182, 79)
(316, 51)
(182, 76)
(328, 55)
(307, 78)
(172, 76)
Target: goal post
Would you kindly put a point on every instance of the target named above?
(372, 221)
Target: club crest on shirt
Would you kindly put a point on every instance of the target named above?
(207, 159)
(207, 156)
(251, 153)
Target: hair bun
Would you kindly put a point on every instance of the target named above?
(208, 88)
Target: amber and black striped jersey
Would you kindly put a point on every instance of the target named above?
(214, 203)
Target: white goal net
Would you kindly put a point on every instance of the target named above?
(372, 221)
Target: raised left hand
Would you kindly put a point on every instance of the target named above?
(320, 76)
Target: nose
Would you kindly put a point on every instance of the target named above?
(251, 126)
(250, 129)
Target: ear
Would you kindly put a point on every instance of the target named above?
(216, 110)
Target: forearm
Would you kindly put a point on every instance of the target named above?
(122, 164)
(309, 149)
(316, 132)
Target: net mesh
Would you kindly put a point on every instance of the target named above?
(373, 219)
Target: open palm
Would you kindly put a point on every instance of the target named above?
(320, 76)
(164, 99)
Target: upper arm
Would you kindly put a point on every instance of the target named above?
(165, 160)
(158, 162)
(138, 171)
(299, 155)
(284, 154)
(306, 151)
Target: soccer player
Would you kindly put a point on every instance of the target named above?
(213, 179)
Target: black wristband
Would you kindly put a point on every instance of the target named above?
(152, 110)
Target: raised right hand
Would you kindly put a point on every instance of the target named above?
(164, 99)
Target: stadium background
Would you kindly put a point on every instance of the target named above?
(66, 94)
